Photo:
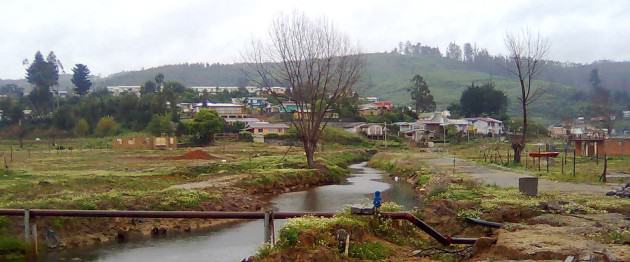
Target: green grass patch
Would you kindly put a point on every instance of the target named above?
(369, 250)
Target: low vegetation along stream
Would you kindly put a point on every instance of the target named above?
(237, 241)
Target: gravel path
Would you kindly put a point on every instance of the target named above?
(504, 177)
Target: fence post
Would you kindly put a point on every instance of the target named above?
(268, 224)
(27, 225)
(574, 162)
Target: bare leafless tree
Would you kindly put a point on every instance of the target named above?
(318, 65)
(527, 52)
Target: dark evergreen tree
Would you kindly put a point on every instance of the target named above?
(42, 74)
(483, 101)
(81, 79)
(421, 95)
(149, 87)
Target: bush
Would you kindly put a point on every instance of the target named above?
(106, 126)
(247, 136)
(82, 128)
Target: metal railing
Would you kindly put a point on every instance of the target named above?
(268, 216)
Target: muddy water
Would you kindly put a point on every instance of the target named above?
(235, 242)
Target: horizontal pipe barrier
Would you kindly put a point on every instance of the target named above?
(443, 239)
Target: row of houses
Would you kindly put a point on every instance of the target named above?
(118, 90)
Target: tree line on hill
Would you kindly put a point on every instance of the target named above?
(480, 59)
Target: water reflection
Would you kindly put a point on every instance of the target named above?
(241, 240)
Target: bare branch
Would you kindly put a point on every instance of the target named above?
(316, 63)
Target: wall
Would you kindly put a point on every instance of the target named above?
(144, 143)
(617, 147)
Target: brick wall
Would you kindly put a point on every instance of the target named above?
(617, 147)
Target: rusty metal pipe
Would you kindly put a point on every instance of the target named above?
(159, 214)
(444, 240)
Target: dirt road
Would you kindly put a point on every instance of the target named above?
(504, 177)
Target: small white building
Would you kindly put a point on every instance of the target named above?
(486, 126)
(225, 110)
(118, 90)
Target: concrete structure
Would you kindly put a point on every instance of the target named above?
(118, 90)
(144, 143)
(594, 146)
(557, 131)
(264, 128)
(372, 130)
(246, 120)
(225, 110)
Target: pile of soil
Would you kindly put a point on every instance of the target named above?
(191, 155)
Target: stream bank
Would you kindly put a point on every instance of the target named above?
(236, 241)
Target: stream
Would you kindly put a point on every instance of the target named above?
(238, 241)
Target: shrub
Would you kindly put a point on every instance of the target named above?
(106, 126)
(247, 136)
(82, 128)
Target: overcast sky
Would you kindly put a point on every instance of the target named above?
(116, 35)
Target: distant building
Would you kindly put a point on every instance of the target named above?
(118, 90)
(264, 128)
(287, 107)
(593, 146)
(225, 110)
(375, 108)
(247, 120)
(369, 110)
(626, 114)
(375, 131)
(305, 114)
(486, 126)
(144, 143)
(557, 131)
(214, 89)
(371, 99)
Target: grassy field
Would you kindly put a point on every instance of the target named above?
(587, 169)
(93, 176)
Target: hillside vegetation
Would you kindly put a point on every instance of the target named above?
(388, 76)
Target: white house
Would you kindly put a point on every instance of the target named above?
(486, 126)
(117, 90)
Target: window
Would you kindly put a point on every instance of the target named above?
(260, 130)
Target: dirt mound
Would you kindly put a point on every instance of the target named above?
(191, 155)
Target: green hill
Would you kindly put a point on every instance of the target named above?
(388, 76)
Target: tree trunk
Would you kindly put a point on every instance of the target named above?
(520, 145)
(309, 150)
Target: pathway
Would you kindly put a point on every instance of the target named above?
(504, 177)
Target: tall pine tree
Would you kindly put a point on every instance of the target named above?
(42, 75)
(81, 79)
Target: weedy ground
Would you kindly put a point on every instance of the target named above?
(87, 174)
